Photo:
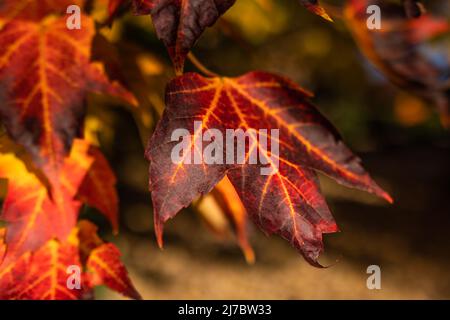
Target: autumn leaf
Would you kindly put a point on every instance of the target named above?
(13, 277)
(46, 73)
(228, 199)
(34, 215)
(287, 202)
(106, 268)
(99, 188)
(223, 212)
(399, 51)
(313, 6)
(42, 275)
(180, 23)
(103, 263)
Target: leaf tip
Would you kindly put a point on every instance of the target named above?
(383, 194)
(249, 255)
(320, 11)
(159, 230)
(134, 294)
(379, 192)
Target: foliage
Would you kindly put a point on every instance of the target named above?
(54, 167)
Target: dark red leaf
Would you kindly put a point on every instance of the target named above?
(288, 202)
(179, 23)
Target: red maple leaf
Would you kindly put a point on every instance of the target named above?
(102, 261)
(180, 23)
(42, 275)
(98, 188)
(34, 213)
(45, 73)
(288, 202)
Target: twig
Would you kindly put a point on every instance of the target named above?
(200, 66)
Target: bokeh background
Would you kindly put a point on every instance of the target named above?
(399, 138)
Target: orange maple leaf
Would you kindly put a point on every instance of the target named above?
(99, 188)
(42, 275)
(34, 215)
(102, 260)
(46, 72)
(228, 199)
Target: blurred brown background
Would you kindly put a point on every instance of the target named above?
(398, 137)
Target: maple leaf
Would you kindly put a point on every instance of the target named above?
(45, 73)
(313, 6)
(103, 262)
(288, 202)
(179, 23)
(399, 51)
(98, 188)
(34, 215)
(42, 275)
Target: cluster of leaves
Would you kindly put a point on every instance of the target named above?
(52, 170)
(45, 74)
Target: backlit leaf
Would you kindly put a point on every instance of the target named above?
(99, 188)
(42, 275)
(103, 262)
(45, 70)
(228, 199)
(288, 202)
(34, 215)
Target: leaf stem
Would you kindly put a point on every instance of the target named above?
(200, 66)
